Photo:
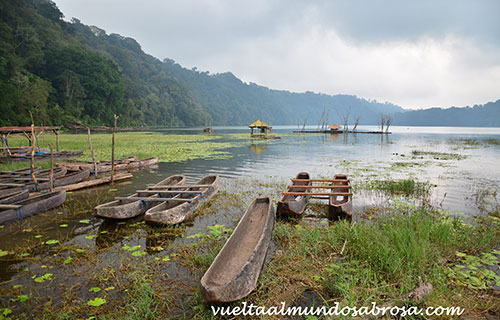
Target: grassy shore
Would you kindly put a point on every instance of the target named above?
(167, 147)
(353, 264)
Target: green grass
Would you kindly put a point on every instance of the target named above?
(381, 261)
(167, 147)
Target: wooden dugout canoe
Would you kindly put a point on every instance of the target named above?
(70, 178)
(19, 172)
(235, 270)
(340, 206)
(42, 175)
(294, 204)
(123, 164)
(183, 205)
(15, 197)
(125, 209)
(31, 206)
(74, 166)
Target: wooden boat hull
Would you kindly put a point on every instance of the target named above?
(18, 196)
(69, 178)
(340, 207)
(123, 164)
(235, 270)
(25, 171)
(33, 206)
(26, 178)
(125, 209)
(294, 205)
(174, 212)
(4, 192)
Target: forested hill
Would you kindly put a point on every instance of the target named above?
(62, 71)
(487, 115)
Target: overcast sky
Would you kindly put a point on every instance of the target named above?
(416, 54)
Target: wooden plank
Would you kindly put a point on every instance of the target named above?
(29, 179)
(152, 199)
(11, 185)
(322, 187)
(319, 180)
(180, 187)
(92, 183)
(169, 191)
(317, 194)
(9, 206)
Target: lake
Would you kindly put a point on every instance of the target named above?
(460, 166)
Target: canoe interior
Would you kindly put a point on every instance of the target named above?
(240, 246)
(124, 209)
(294, 204)
(169, 205)
(37, 198)
(15, 197)
(340, 206)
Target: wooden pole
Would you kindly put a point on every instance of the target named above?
(33, 144)
(57, 140)
(4, 144)
(51, 176)
(92, 152)
(113, 150)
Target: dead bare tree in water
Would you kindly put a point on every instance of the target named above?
(388, 121)
(305, 121)
(381, 122)
(346, 119)
(356, 123)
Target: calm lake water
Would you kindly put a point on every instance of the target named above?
(367, 156)
(460, 163)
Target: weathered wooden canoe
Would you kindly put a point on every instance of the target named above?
(235, 270)
(183, 204)
(42, 175)
(31, 206)
(25, 171)
(340, 206)
(125, 209)
(70, 178)
(294, 204)
(15, 197)
(11, 188)
(75, 166)
(106, 166)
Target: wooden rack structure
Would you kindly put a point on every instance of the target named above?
(320, 195)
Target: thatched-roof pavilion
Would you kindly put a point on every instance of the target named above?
(264, 128)
(334, 127)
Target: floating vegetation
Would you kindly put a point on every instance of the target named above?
(438, 155)
(475, 272)
(410, 164)
(404, 186)
(167, 147)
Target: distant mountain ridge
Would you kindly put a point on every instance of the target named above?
(61, 71)
(487, 115)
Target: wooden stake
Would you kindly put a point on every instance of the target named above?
(92, 152)
(113, 151)
(57, 140)
(33, 144)
(51, 176)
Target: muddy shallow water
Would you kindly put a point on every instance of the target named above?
(458, 163)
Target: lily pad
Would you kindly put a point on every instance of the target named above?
(96, 302)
